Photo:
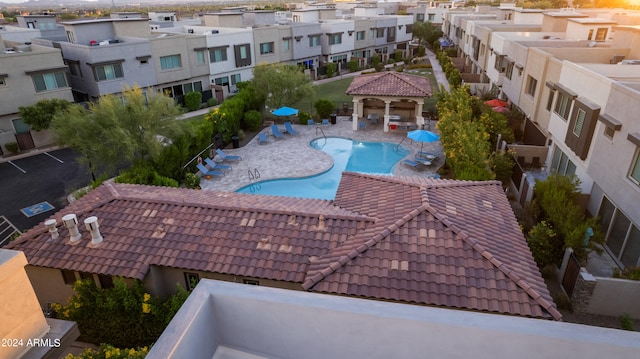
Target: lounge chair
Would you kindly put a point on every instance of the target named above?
(262, 138)
(422, 161)
(289, 128)
(362, 125)
(428, 155)
(207, 172)
(226, 157)
(325, 122)
(217, 166)
(411, 163)
(275, 131)
(311, 122)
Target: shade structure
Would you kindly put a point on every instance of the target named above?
(500, 109)
(285, 111)
(497, 103)
(423, 136)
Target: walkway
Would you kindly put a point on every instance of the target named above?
(293, 157)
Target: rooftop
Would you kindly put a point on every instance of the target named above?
(390, 83)
(228, 320)
(410, 239)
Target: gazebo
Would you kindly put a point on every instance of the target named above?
(394, 96)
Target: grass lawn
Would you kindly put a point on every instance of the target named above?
(333, 91)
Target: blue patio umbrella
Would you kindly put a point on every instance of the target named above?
(285, 111)
(423, 136)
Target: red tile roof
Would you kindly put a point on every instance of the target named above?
(390, 83)
(435, 242)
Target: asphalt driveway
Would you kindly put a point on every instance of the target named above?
(47, 177)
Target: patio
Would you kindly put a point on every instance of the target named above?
(293, 157)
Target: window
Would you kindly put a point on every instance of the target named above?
(563, 105)
(251, 282)
(222, 81)
(550, 99)
(52, 81)
(243, 55)
(335, 39)
(601, 34)
(561, 163)
(170, 62)
(391, 34)
(266, 48)
(409, 29)
(71, 37)
(188, 87)
(286, 45)
(235, 79)
(2, 82)
(609, 132)
(531, 86)
(218, 54)
(192, 87)
(634, 175)
(432, 17)
(74, 68)
(191, 280)
(622, 235)
(360, 36)
(108, 72)
(500, 64)
(577, 128)
(68, 276)
(314, 40)
(86, 275)
(590, 35)
(509, 70)
(420, 17)
(200, 57)
(380, 32)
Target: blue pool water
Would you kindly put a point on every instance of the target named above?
(348, 155)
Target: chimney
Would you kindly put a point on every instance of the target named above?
(92, 225)
(51, 225)
(71, 222)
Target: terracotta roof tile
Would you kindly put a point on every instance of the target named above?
(389, 238)
(390, 83)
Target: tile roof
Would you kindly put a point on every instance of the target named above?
(436, 242)
(390, 83)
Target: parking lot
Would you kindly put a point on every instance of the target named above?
(33, 188)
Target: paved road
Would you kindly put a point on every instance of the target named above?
(49, 176)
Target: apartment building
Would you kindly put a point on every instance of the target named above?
(28, 73)
(432, 11)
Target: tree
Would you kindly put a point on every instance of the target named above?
(119, 129)
(426, 32)
(40, 115)
(281, 85)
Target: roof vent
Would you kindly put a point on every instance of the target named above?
(92, 225)
(51, 225)
(321, 226)
(71, 222)
(264, 244)
(292, 220)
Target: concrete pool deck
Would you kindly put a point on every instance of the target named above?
(292, 156)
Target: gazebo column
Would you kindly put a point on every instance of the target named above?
(387, 104)
(358, 111)
(419, 118)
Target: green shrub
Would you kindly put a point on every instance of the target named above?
(12, 147)
(400, 69)
(331, 69)
(546, 247)
(252, 120)
(191, 181)
(353, 65)
(421, 51)
(324, 107)
(626, 322)
(303, 117)
(124, 316)
(397, 56)
(631, 273)
(562, 301)
(376, 59)
(212, 102)
(144, 173)
(192, 100)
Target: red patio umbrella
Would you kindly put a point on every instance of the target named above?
(500, 109)
(497, 103)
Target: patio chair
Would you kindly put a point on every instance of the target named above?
(217, 166)
(362, 125)
(325, 122)
(262, 138)
(427, 155)
(411, 163)
(311, 122)
(209, 173)
(275, 131)
(289, 128)
(226, 157)
(422, 161)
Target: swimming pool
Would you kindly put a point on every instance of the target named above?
(348, 155)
